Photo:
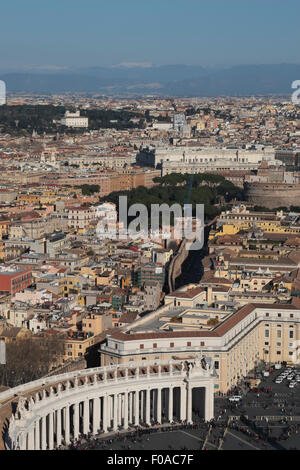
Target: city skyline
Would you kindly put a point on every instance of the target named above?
(149, 228)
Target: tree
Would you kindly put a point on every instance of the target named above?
(30, 359)
(89, 189)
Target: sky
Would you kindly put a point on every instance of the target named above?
(58, 34)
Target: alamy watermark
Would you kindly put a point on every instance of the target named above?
(156, 225)
(2, 92)
(296, 93)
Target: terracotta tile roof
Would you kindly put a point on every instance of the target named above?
(218, 331)
(128, 317)
(208, 278)
(187, 294)
(221, 288)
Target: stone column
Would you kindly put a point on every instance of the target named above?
(76, 420)
(86, 416)
(37, 444)
(158, 413)
(189, 405)
(67, 424)
(126, 410)
(119, 409)
(104, 420)
(136, 408)
(148, 404)
(170, 412)
(183, 403)
(58, 427)
(51, 431)
(30, 444)
(142, 407)
(130, 407)
(44, 433)
(209, 402)
(96, 415)
(22, 441)
(115, 416)
(109, 408)
(100, 413)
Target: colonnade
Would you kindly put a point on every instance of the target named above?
(119, 403)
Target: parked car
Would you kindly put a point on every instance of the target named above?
(235, 398)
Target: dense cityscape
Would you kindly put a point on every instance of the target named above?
(149, 246)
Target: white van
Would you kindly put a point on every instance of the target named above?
(235, 398)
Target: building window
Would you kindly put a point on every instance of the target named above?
(267, 333)
(171, 345)
(216, 365)
(290, 353)
(278, 333)
(291, 315)
(267, 343)
(154, 345)
(202, 343)
(267, 314)
(278, 353)
(279, 315)
(141, 346)
(189, 343)
(291, 334)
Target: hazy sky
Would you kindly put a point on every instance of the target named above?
(59, 33)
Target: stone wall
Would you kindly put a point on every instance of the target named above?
(273, 195)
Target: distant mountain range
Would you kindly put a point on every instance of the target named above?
(168, 80)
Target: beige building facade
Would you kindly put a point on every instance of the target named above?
(236, 344)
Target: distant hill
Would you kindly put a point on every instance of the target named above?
(240, 80)
(169, 80)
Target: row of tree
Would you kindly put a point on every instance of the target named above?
(183, 189)
(24, 119)
(89, 189)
